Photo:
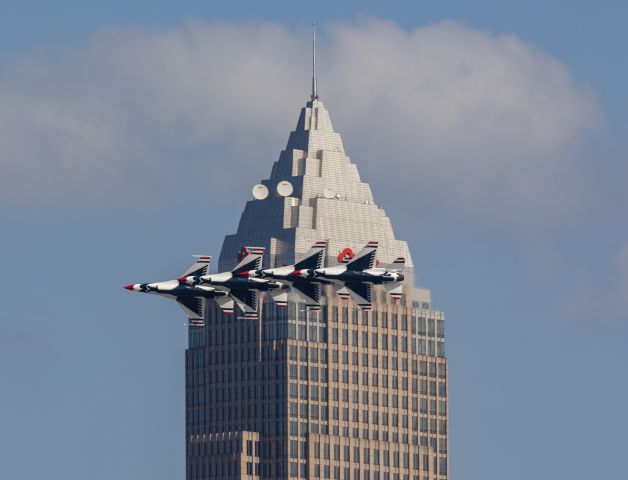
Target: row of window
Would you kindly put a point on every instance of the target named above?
(223, 393)
(315, 355)
(355, 454)
(376, 399)
(326, 471)
(384, 319)
(315, 412)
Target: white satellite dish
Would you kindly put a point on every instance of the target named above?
(284, 188)
(260, 192)
(329, 193)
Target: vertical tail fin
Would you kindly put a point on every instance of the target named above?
(365, 259)
(200, 267)
(313, 258)
(399, 263)
(251, 261)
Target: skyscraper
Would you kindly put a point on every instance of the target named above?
(340, 393)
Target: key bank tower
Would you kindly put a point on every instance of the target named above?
(340, 393)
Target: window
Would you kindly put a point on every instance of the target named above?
(294, 449)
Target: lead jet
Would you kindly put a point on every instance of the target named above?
(356, 278)
(192, 299)
(299, 276)
(244, 290)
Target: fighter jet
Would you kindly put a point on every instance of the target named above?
(244, 290)
(192, 299)
(299, 276)
(357, 277)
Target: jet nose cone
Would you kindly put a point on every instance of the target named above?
(129, 286)
(401, 277)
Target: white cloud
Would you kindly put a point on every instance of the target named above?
(470, 120)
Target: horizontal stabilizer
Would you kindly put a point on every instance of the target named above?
(342, 292)
(280, 297)
(394, 289)
(226, 304)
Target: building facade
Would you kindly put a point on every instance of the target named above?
(339, 393)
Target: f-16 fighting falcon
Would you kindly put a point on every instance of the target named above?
(299, 276)
(357, 277)
(244, 290)
(192, 299)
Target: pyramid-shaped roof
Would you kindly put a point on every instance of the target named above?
(328, 201)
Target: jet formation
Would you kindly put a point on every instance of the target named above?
(242, 286)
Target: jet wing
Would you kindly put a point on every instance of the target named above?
(246, 301)
(310, 292)
(362, 294)
(194, 308)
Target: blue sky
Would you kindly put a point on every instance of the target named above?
(131, 133)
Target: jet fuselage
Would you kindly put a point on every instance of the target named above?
(240, 283)
(173, 288)
(376, 276)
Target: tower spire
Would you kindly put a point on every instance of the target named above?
(314, 95)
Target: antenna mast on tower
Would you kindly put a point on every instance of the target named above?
(314, 95)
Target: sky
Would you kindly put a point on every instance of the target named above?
(493, 133)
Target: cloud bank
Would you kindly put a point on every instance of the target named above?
(473, 121)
